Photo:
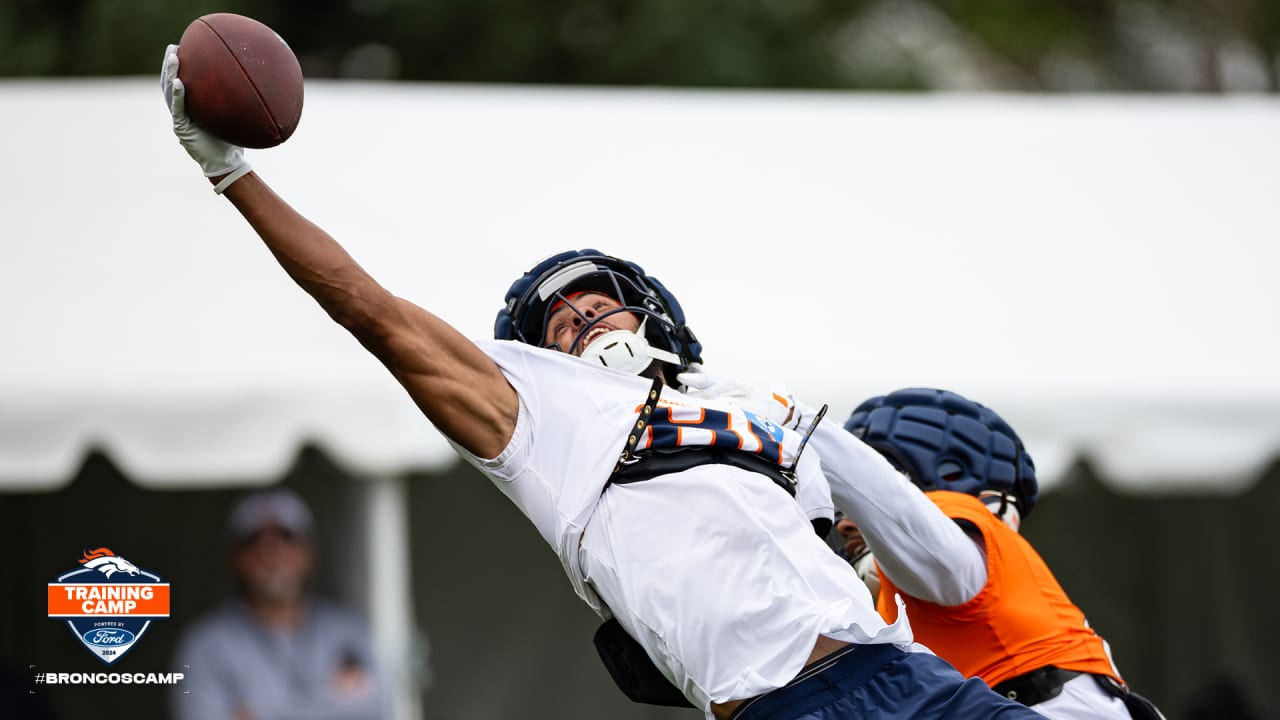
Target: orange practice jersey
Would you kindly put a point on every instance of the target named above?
(1020, 621)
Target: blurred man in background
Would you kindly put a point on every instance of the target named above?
(275, 652)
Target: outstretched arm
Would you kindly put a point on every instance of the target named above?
(459, 388)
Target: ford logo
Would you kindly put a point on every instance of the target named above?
(108, 637)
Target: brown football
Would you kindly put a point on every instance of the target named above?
(243, 83)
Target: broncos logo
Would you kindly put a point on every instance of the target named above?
(107, 562)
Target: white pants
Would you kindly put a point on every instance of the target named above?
(1082, 698)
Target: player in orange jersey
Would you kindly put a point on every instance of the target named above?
(999, 613)
(951, 558)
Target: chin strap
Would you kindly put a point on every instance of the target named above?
(627, 351)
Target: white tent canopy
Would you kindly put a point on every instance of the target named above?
(1101, 270)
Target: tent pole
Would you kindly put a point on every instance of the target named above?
(402, 649)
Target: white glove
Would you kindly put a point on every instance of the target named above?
(775, 404)
(214, 156)
(859, 555)
(865, 566)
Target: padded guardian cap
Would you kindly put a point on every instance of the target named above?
(946, 442)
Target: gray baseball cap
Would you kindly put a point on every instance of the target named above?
(262, 509)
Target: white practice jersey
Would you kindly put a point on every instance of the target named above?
(715, 570)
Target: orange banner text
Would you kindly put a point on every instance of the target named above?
(108, 599)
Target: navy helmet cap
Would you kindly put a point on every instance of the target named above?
(530, 299)
(943, 440)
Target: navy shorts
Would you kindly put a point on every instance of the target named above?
(881, 681)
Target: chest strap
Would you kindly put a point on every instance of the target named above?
(636, 467)
(664, 462)
(642, 421)
(1035, 687)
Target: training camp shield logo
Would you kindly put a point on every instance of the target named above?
(108, 602)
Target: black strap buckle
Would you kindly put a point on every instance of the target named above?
(632, 467)
(1035, 687)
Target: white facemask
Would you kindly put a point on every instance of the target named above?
(1010, 515)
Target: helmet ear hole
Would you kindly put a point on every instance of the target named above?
(949, 471)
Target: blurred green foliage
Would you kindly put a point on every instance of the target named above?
(1031, 45)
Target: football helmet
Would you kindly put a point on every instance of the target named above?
(663, 334)
(943, 441)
